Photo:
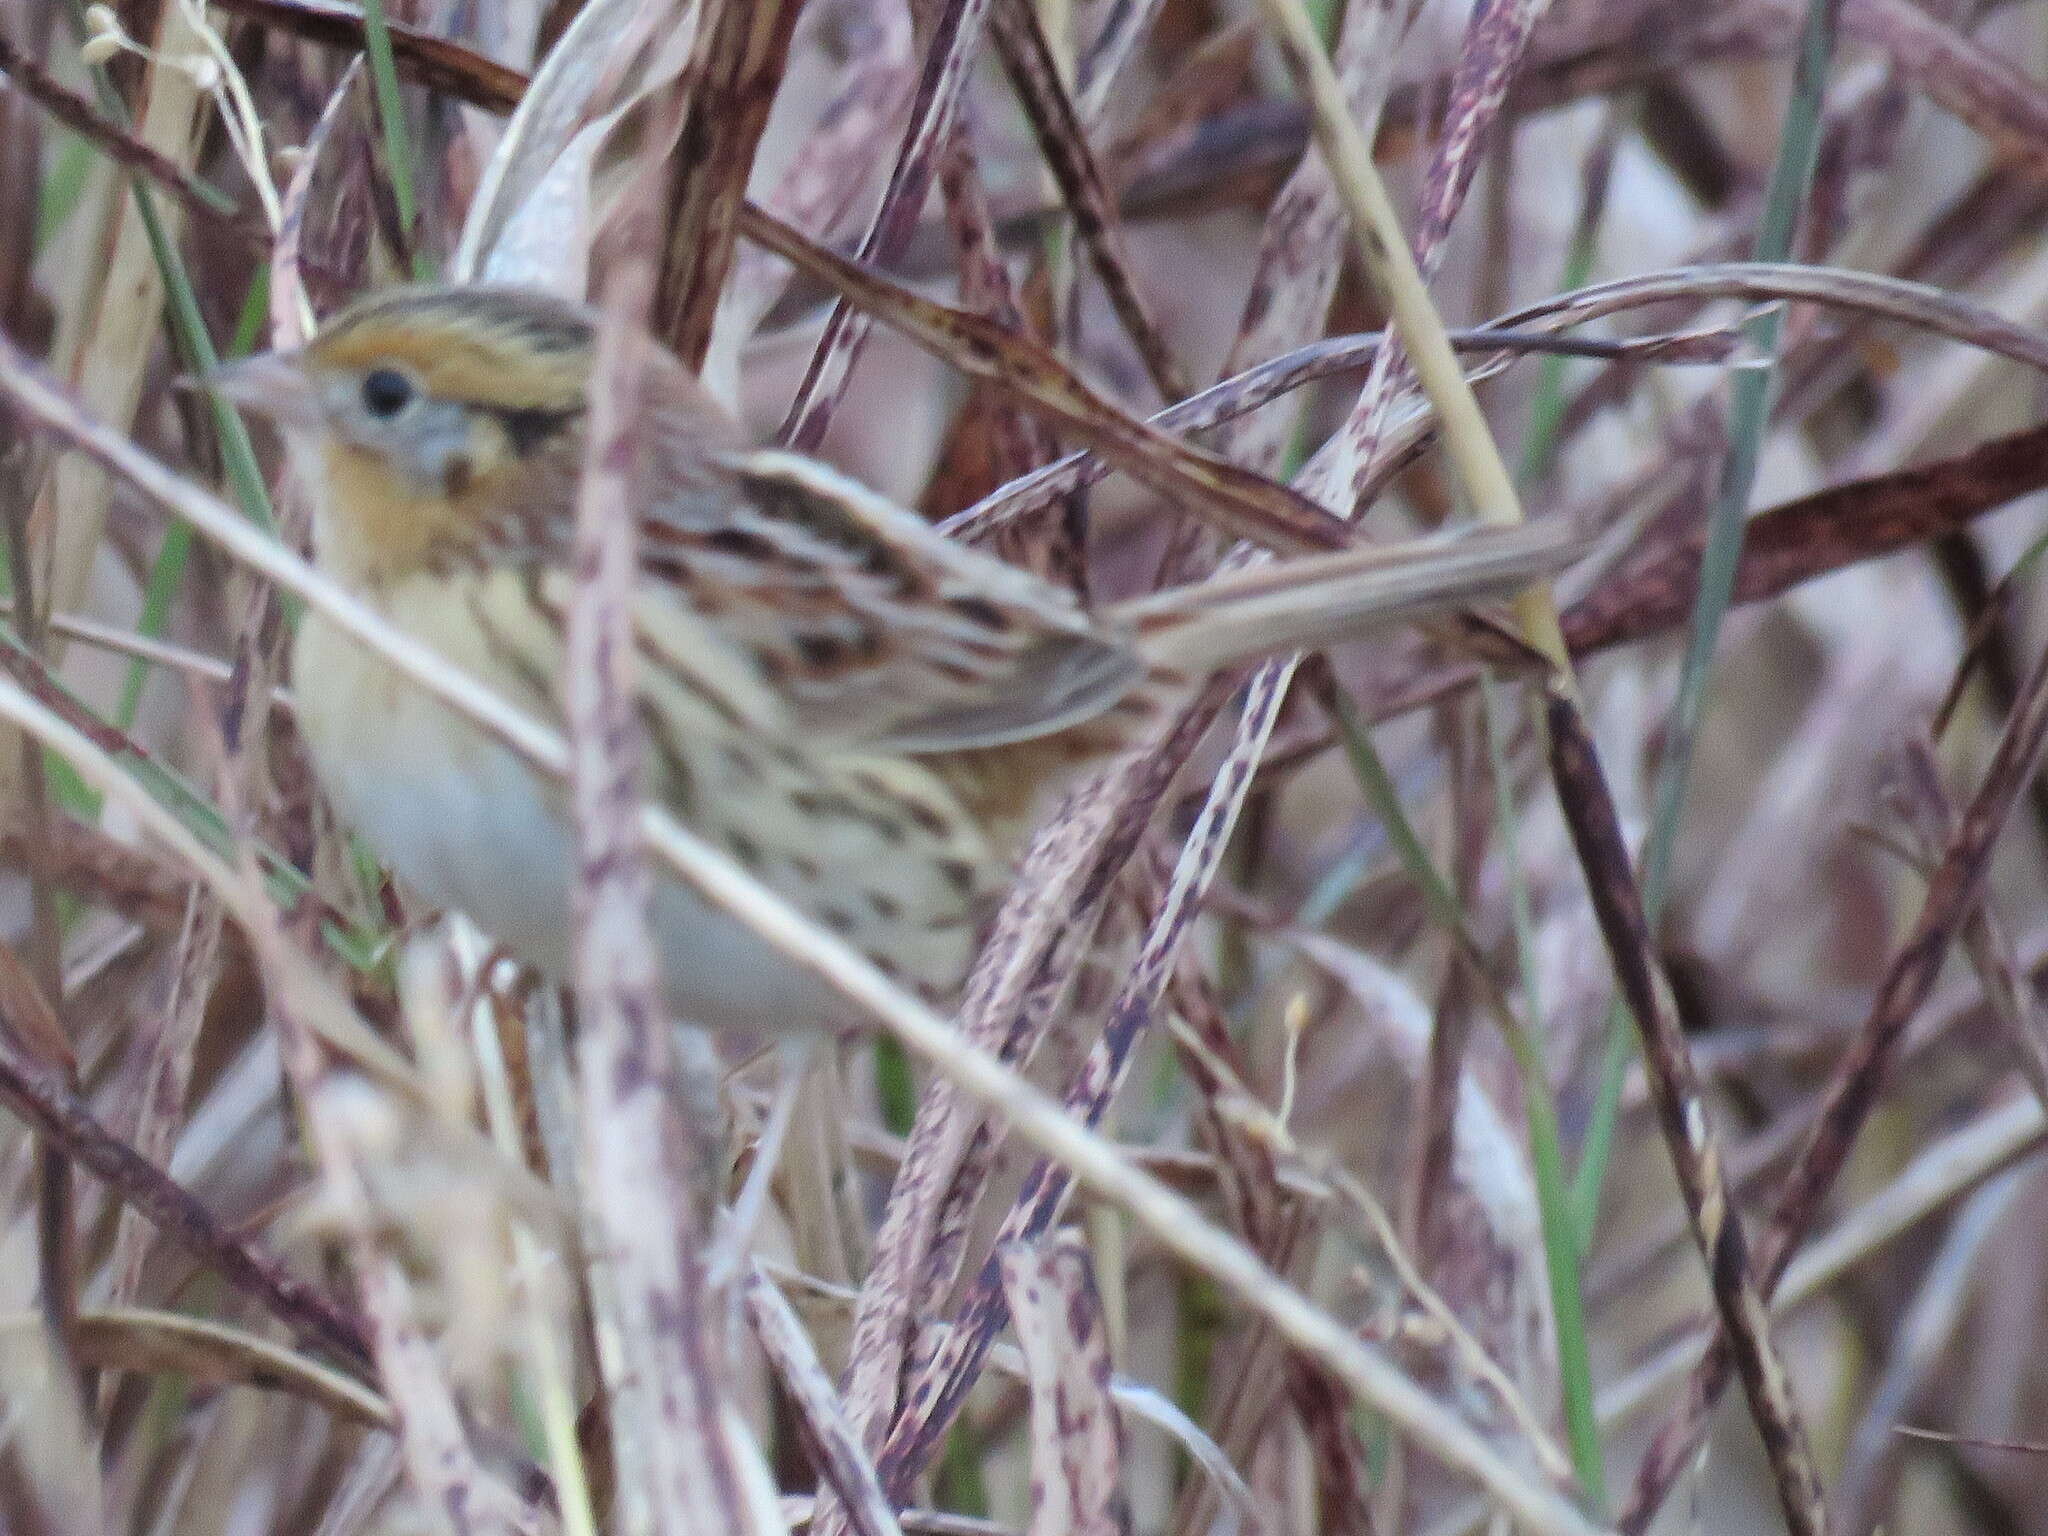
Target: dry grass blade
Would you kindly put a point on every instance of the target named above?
(1926, 1331)
(1101, 64)
(40, 1096)
(1783, 548)
(950, 45)
(1491, 1166)
(1978, 85)
(434, 61)
(323, 243)
(194, 975)
(1681, 1106)
(824, 178)
(1945, 1171)
(1138, 1402)
(1076, 1440)
(32, 1020)
(1853, 1090)
(1929, 817)
(1201, 87)
(1301, 251)
(1383, 246)
(1536, 328)
(656, 1335)
(171, 1344)
(742, 49)
(200, 198)
(992, 439)
(1063, 140)
(832, 1441)
(108, 351)
(940, 1384)
(1039, 1120)
(1495, 40)
(1873, 294)
(1034, 941)
(393, 1210)
(1209, 486)
(343, 1116)
(1808, 538)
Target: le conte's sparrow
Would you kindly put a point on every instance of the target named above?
(864, 714)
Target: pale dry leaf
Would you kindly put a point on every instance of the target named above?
(536, 210)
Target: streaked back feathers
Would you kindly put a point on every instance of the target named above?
(864, 715)
(454, 434)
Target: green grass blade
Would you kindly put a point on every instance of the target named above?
(1546, 1145)
(397, 138)
(1748, 419)
(167, 572)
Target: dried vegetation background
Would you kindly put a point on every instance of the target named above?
(1596, 1085)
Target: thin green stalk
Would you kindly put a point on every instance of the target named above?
(167, 573)
(397, 139)
(958, 1481)
(1561, 1248)
(166, 576)
(895, 1085)
(1748, 419)
(1383, 248)
(245, 479)
(1468, 441)
(64, 185)
(1547, 406)
(1546, 1144)
(364, 950)
(1203, 1316)
(1383, 798)
(188, 328)
(188, 325)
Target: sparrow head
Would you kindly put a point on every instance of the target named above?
(424, 417)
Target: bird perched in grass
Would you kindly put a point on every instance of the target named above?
(864, 714)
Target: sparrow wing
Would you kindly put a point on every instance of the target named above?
(872, 627)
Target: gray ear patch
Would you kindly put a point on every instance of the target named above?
(532, 429)
(429, 443)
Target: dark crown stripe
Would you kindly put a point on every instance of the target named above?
(534, 320)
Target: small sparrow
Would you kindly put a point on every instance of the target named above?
(862, 713)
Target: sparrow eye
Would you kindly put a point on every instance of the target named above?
(386, 392)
